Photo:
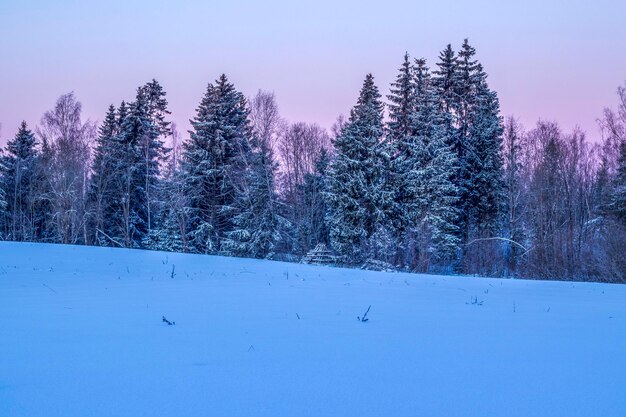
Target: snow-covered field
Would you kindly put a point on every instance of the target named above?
(81, 334)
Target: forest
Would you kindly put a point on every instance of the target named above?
(428, 176)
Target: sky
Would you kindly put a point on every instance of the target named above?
(548, 59)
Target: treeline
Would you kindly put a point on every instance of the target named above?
(430, 180)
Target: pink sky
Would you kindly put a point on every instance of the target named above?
(555, 60)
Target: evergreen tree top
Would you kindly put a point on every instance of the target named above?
(109, 125)
(466, 53)
(422, 76)
(447, 63)
(620, 177)
(401, 87)
(322, 162)
(137, 123)
(221, 122)
(122, 112)
(221, 105)
(401, 101)
(153, 95)
(369, 107)
(22, 146)
(446, 78)
(364, 130)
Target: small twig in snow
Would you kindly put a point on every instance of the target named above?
(364, 318)
(50, 288)
(474, 301)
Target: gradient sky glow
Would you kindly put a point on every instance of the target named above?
(557, 60)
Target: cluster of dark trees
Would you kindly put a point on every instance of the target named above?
(438, 183)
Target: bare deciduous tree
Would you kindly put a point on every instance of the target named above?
(300, 145)
(66, 145)
(265, 118)
(512, 152)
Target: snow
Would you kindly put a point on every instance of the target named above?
(81, 334)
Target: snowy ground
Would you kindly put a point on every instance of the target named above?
(81, 335)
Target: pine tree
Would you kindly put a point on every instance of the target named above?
(19, 177)
(214, 164)
(358, 197)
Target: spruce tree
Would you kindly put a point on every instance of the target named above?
(617, 197)
(467, 77)
(134, 171)
(20, 179)
(153, 147)
(101, 193)
(258, 226)
(400, 137)
(171, 234)
(313, 228)
(3, 199)
(512, 152)
(484, 186)
(473, 129)
(156, 104)
(446, 84)
(445, 80)
(214, 164)
(401, 102)
(117, 176)
(465, 86)
(358, 197)
(425, 194)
